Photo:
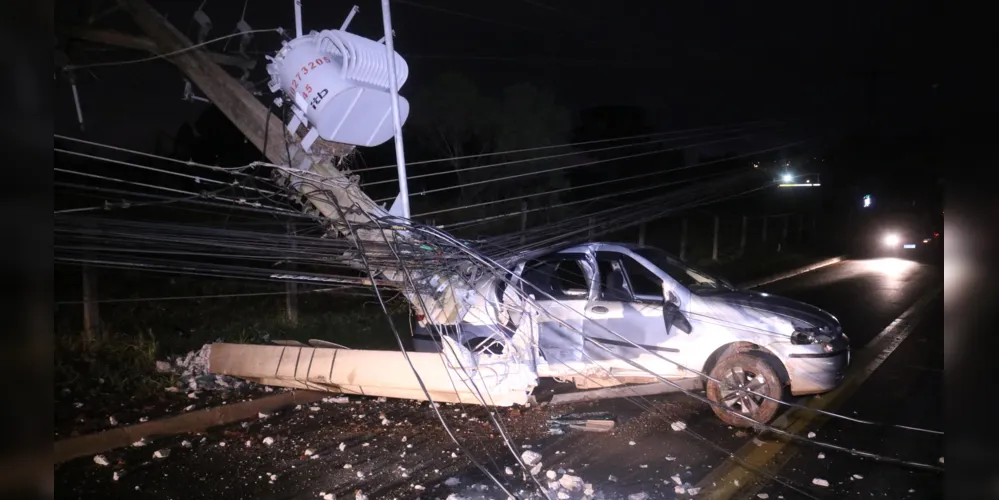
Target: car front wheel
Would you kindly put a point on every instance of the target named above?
(741, 373)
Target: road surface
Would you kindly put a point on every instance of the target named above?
(642, 454)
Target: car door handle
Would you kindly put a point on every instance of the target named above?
(598, 309)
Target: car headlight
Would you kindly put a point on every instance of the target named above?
(891, 240)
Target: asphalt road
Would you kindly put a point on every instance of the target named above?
(642, 454)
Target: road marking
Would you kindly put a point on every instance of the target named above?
(792, 273)
(731, 480)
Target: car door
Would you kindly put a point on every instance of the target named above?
(627, 309)
(560, 285)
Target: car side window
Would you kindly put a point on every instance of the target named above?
(613, 284)
(643, 281)
(561, 279)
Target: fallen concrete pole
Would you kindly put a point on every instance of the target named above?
(91, 444)
(377, 373)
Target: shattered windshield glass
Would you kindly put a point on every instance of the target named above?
(695, 280)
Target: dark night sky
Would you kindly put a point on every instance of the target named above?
(688, 63)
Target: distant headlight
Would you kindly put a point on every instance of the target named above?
(891, 240)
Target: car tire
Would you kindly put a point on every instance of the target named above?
(753, 372)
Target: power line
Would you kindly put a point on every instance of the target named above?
(571, 144)
(560, 155)
(192, 297)
(162, 56)
(485, 203)
(195, 178)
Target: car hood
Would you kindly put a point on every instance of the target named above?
(775, 304)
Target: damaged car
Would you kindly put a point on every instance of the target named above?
(612, 314)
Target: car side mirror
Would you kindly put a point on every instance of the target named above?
(672, 316)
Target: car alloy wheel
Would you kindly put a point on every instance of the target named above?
(747, 379)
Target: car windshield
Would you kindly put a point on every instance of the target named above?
(695, 280)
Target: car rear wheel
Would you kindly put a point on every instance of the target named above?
(741, 373)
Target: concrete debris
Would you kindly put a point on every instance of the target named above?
(822, 456)
(192, 369)
(163, 453)
(531, 457)
(693, 491)
(763, 496)
(101, 460)
(571, 483)
(418, 487)
(381, 399)
(189, 407)
(360, 475)
(858, 476)
(820, 482)
(551, 474)
(612, 478)
(273, 477)
(454, 455)
(452, 482)
(676, 479)
(268, 441)
(348, 466)
(313, 408)
(678, 426)
(114, 421)
(508, 471)
(385, 421)
(343, 446)
(638, 496)
(249, 443)
(327, 496)
(941, 460)
(309, 452)
(337, 400)
(359, 495)
(77, 405)
(263, 416)
(588, 489)
(536, 469)
(631, 443)
(643, 466)
(118, 474)
(679, 490)
(669, 458)
(185, 443)
(222, 444)
(563, 495)
(404, 439)
(140, 443)
(811, 435)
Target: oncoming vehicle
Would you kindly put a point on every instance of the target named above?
(613, 314)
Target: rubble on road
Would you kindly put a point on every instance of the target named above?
(101, 460)
(192, 368)
(163, 453)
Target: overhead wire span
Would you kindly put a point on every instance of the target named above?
(572, 153)
(169, 54)
(566, 145)
(601, 183)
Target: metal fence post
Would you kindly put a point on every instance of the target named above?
(714, 242)
(91, 311)
(523, 222)
(683, 239)
(291, 288)
(742, 236)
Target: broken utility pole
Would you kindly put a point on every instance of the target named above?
(265, 130)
